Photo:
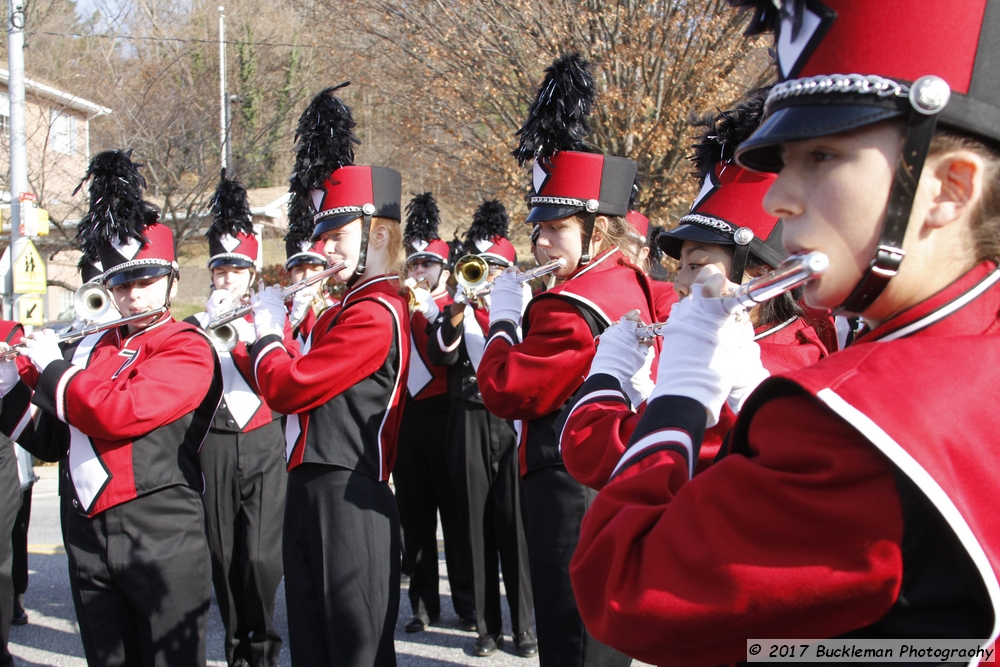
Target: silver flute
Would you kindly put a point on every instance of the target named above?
(241, 310)
(795, 271)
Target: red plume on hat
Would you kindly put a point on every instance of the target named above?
(231, 238)
(421, 233)
(130, 242)
(487, 235)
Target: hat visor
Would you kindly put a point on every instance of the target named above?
(550, 213)
(425, 257)
(235, 262)
(672, 241)
(135, 273)
(301, 258)
(331, 223)
(805, 121)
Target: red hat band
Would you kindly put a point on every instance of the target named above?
(349, 190)
(435, 251)
(228, 250)
(135, 260)
(571, 182)
(497, 250)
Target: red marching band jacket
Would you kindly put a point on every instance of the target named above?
(243, 409)
(344, 397)
(860, 500)
(532, 379)
(137, 407)
(595, 428)
(426, 380)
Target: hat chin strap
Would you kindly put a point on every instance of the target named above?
(588, 233)
(368, 210)
(890, 253)
(740, 255)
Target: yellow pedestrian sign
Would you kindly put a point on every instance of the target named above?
(29, 271)
(30, 310)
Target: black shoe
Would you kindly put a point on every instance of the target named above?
(419, 623)
(241, 663)
(527, 645)
(20, 617)
(468, 623)
(487, 645)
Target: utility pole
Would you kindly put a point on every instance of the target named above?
(18, 142)
(223, 94)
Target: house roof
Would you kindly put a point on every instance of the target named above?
(86, 107)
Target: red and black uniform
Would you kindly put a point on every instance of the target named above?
(135, 533)
(424, 483)
(595, 428)
(243, 463)
(531, 380)
(867, 469)
(341, 531)
(483, 455)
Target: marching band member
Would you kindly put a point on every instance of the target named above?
(424, 483)
(726, 227)
(140, 570)
(858, 500)
(664, 295)
(241, 459)
(341, 532)
(580, 200)
(14, 415)
(483, 451)
(304, 259)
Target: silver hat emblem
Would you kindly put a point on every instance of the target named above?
(929, 94)
(743, 236)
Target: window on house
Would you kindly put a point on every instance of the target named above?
(4, 113)
(62, 133)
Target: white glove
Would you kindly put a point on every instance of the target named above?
(219, 303)
(620, 355)
(301, 303)
(9, 374)
(748, 372)
(42, 347)
(506, 298)
(460, 297)
(426, 305)
(697, 356)
(269, 312)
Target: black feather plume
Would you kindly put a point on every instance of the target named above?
(300, 220)
(324, 140)
(87, 243)
(557, 119)
(230, 209)
(117, 210)
(723, 131)
(490, 220)
(422, 219)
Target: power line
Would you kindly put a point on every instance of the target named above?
(179, 40)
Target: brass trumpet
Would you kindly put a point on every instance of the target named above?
(794, 272)
(472, 273)
(410, 287)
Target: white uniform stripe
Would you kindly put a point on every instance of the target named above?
(654, 439)
(264, 353)
(612, 394)
(926, 482)
(448, 348)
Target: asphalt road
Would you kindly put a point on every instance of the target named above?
(52, 637)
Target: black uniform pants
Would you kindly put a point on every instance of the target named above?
(341, 553)
(10, 503)
(484, 451)
(423, 488)
(244, 511)
(140, 573)
(556, 504)
(19, 540)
